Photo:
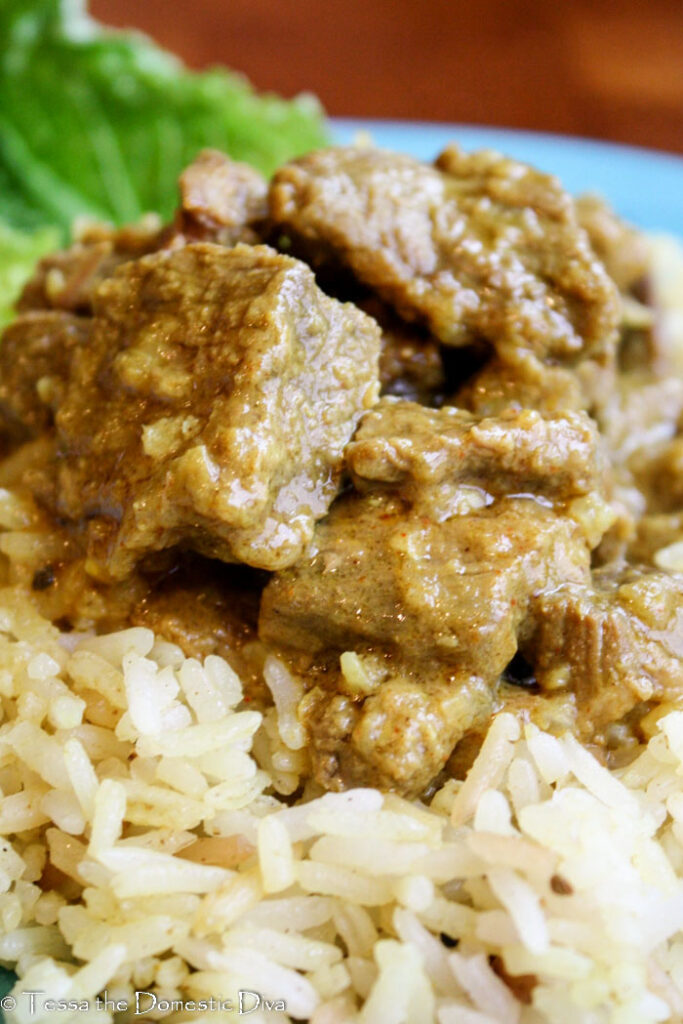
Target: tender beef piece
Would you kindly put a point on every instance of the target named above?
(67, 280)
(221, 200)
(640, 350)
(477, 246)
(35, 355)
(205, 607)
(638, 426)
(614, 643)
(622, 249)
(449, 579)
(398, 738)
(408, 447)
(590, 386)
(212, 407)
(431, 563)
(657, 464)
(499, 386)
(410, 366)
(410, 363)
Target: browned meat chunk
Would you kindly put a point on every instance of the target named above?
(614, 643)
(533, 385)
(410, 363)
(477, 246)
(221, 201)
(622, 249)
(657, 463)
(498, 387)
(206, 607)
(408, 447)
(212, 407)
(410, 366)
(626, 256)
(436, 582)
(398, 738)
(35, 355)
(203, 606)
(432, 566)
(68, 279)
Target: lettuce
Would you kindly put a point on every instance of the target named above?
(19, 251)
(100, 123)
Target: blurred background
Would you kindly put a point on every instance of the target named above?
(610, 69)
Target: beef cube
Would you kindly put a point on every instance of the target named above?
(67, 280)
(614, 642)
(212, 407)
(429, 566)
(400, 736)
(222, 201)
(444, 581)
(477, 245)
(35, 356)
(622, 249)
(498, 387)
(520, 452)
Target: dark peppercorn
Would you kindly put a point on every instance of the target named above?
(521, 985)
(561, 886)
(43, 578)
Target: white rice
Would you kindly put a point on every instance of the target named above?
(153, 856)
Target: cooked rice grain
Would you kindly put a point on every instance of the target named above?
(151, 854)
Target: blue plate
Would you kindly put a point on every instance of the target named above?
(643, 185)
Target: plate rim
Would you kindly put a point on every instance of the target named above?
(563, 139)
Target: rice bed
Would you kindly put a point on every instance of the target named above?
(146, 850)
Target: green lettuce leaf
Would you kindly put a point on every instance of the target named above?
(99, 123)
(19, 251)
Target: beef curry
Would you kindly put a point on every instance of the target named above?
(411, 428)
